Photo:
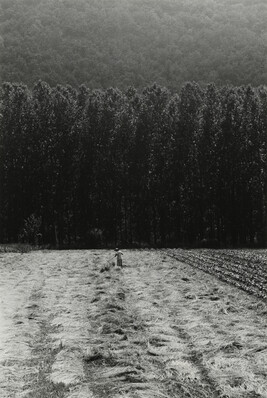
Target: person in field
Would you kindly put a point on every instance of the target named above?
(119, 255)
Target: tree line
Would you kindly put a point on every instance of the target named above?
(83, 168)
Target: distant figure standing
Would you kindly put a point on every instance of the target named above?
(119, 255)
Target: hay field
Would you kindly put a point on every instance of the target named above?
(159, 327)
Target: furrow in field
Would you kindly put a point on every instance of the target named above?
(240, 276)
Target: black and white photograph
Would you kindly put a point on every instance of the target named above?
(133, 198)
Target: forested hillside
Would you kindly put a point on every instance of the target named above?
(104, 166)
(118, 43)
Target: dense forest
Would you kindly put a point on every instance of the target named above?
(104, 43)
(83, 167)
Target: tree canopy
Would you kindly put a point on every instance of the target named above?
(118, 43)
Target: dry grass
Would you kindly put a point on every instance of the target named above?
(157, 328)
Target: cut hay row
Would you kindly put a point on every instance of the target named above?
(114, 359)
(132, 348)
(155, 328)
(247, 274)
(67, 294)
(168, 345)
(157, 332)
(44, 326)
(17, 328)
(223, 330)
